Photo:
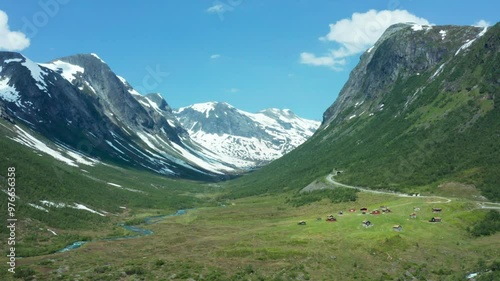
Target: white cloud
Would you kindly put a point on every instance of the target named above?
(217, 8)
(215, 56)
(327, 60)
(11, 40)
(233, 90)
(356, 34)
(482, 23)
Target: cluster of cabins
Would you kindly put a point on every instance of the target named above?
(383, 210)
(433, 219)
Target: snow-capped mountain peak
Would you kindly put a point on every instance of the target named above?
(257, 138)
(207, 107)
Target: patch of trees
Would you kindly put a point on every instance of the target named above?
(489, 225)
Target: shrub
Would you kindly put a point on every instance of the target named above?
(24, 273)
(489, 225)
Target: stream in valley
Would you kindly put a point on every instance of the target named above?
(139, 232)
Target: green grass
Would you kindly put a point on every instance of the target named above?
(257, 238)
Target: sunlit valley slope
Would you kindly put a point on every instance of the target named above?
(419, 110)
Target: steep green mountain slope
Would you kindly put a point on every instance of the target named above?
(420, 109)
(78, 202)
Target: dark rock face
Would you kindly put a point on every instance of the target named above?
(159, 101)
(113, 94)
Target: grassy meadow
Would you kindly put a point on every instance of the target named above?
(258, 238)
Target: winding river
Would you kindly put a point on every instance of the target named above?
(139, 231)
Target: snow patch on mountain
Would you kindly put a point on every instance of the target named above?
(468, 43)
(67, 70)
(153, 105)
(418, 27)
(52, 204)
(38, 207)
(443, 34)
(12, 60)
(159, 146)
(9, 93)
(81, 159)
(131, 90)
(438, 71)
(36, 72)
(205, 108)
(97, 57)
(64, 205)
(123, 80)
(213, 167)
(27, 139)
(85, 208)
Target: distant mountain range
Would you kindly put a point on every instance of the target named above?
(243, 138)
(85, 109)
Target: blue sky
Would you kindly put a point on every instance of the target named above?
(252, 54)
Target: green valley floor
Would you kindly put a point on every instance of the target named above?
(259, 238)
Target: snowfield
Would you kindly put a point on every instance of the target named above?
(73, 158)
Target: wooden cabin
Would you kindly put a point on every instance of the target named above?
(397, 227)
(331, 218)
(435, 219)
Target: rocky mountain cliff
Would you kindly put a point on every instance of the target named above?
(420, 109)
(391, 58)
